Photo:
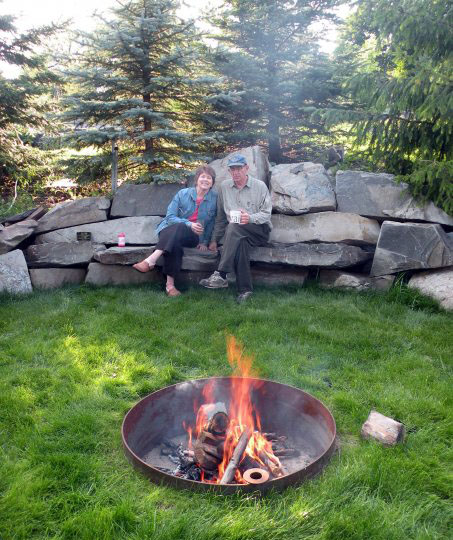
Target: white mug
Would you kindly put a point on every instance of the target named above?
(235, 216)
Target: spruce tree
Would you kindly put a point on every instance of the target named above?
(270, 56)
(25, 102)
(139, 81)
(396, 62)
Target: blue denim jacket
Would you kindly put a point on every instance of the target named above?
(183, 206)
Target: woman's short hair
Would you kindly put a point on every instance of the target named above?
(207, 170)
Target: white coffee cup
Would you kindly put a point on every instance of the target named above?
(235, 216)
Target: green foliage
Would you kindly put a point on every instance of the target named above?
(270, 56)
(396, 61)
(79, 358)
(139, 81)
(24, 104)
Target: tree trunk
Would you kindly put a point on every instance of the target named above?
(273, 137)
(148, 152)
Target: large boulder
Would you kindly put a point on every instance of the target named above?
(109, 274)
(377, 195)
(78, 212)
(345, 280)
(143, 199)
(301, 188)
(14, 276)
(61, 254)
(311, 255)
(325, 227)
(12, 236)
(438, 284)
(411, 246)
(138, 230)
(256, 160)
(53, 278)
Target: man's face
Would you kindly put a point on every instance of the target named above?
(239, 174)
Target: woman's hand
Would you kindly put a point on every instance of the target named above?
(213, 246)
(202, 247)
(197, 228)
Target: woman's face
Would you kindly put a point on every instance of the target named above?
(205, 181)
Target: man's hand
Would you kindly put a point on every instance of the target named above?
(245, 218)
(197, 228)
(213, 246)
(202, 247)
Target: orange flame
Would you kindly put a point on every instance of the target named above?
(241, 412)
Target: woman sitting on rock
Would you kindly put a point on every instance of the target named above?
(189, 223)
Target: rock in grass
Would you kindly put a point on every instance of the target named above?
(325, 227)
(359, 282)
(14, 277)
(53, 278)
(13, 235)
(78, 212)
(411, 246)
(382, 428)
(437, 284)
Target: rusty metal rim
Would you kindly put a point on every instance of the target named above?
(294, 478)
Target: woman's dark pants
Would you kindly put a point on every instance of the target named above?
(172, 240)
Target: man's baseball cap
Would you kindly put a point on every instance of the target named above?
(237, 160)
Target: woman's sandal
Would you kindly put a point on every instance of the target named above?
(172, 291)
(143, 266)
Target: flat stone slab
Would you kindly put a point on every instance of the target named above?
(346, 280)
(301, 188)
(437, 284)
(377, 195)
(138, 230)
(411, 246)
(325, 227)
(14, 276)
(256, 160)
(272, 276)
(61, 254)
(13, 235)
(193, 259)
(383, 428)
(53, 278)
(78, 212)
(143, 199)
(109, 274)
(311, 255)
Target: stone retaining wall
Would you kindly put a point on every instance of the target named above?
(357, 230)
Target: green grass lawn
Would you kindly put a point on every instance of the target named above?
(72, 363)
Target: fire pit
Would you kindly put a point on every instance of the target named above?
(288, 434)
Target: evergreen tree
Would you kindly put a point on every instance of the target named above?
(269, 54)
(396, 61)
(24, 102)
(140, 82)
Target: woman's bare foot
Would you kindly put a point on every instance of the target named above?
(143, 266)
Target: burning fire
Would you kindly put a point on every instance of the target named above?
(242, 416)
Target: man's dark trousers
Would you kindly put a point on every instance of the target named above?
(236, 251)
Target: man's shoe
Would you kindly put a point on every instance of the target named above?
(243, 297)
(214, 281)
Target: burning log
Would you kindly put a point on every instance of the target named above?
(209, 446)
(286, 452)
(274, 465)
(230, 471)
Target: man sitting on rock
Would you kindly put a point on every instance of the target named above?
(244, 217)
